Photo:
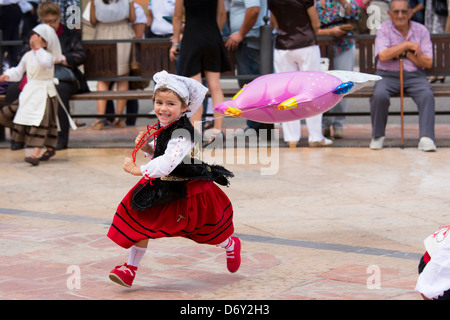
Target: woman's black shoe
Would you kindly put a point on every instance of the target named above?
(61, 146)
(47, 154)
(32, 160)
(17, 145)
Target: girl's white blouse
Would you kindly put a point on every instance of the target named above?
(435, 277)
(163, 165)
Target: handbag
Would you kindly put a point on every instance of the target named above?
(64, 74)
(135, 71)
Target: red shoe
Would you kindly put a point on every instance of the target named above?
(234, 257)
(123, 277)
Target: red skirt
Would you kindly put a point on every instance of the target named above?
(204, 216)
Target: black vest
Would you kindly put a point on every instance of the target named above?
(160, 191)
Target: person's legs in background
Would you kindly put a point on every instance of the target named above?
(65, 90)
(248, 63)
(303, 59)
(342, 61)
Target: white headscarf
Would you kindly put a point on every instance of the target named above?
(190, 90)
(49, 35)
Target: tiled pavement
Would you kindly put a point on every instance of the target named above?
(331, 224)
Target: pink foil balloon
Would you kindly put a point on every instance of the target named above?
(286, 96)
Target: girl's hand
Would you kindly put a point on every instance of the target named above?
(139, 137)
(4, 77)
(35, 42)
(130, 167)
(145, 147)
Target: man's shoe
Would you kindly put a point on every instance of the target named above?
(292, 144)
(426, 144)
(338, 133)
(323, 143)
(17, 145)
(124, 276)
(377, 143)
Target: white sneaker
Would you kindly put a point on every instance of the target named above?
(426, 144)
(323, 143)
(377, 143)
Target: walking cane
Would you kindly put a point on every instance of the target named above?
(402, 144)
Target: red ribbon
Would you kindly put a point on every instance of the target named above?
(144, 138)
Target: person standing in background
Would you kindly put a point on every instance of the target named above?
(418, 10)
(296, 49)
(157, 14)
(246, 17)
(10, 17)
(335, 17)
(202, 52)
(111, 20)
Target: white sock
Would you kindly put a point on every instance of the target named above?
(136, 255)
(228, 244)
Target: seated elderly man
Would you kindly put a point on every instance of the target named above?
(396, 38)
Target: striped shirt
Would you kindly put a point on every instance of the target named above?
(388, 36)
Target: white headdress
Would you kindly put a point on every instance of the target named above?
(190, 90)
(49, 35)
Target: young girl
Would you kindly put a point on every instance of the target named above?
(176, 195)
(35, 123)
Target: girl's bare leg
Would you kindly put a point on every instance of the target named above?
(196, 118)
(213, 82)
(101, 104)
(121, 86)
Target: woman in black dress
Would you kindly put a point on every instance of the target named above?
(202, 50)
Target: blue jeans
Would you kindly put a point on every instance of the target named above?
(416, 86)
(342, 61)
(247, 63)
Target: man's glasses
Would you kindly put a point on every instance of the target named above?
(49, 21)
(397, 12)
